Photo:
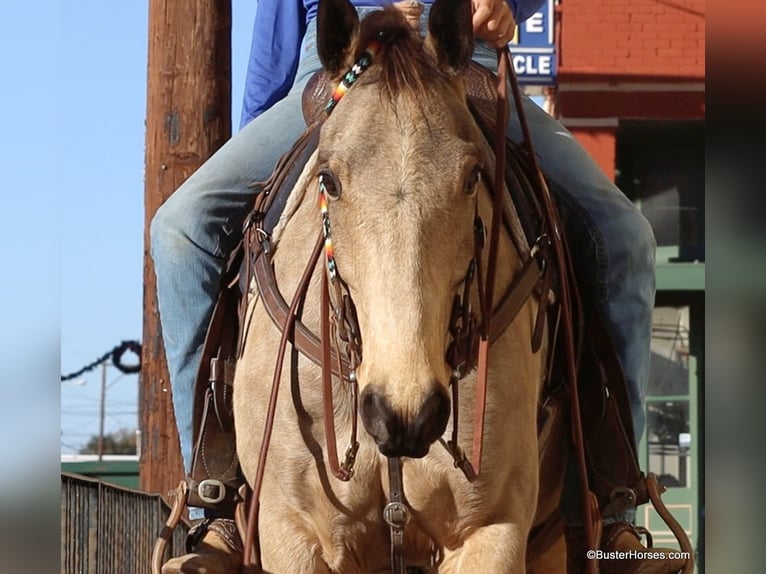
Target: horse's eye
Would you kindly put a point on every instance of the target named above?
(329, 184)
(472, 182)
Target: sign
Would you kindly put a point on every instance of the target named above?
(533, 51)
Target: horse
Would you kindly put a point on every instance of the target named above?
(403, 171)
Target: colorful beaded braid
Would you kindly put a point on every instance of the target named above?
(328, 250)
(364, 62)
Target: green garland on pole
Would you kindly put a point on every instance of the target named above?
(116, 355)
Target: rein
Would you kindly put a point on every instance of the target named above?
(251, 538)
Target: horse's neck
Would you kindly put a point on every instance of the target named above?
(508, 257)
(300, 194)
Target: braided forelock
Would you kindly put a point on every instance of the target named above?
(403, 63)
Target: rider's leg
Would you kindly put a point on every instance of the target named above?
(192, 235)
(613, 249)
(194, 231)
(614, 244)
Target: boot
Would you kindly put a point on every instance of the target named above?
(213, 546)
(620, 537)
(623, 537)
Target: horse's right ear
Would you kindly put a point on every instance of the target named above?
(450, 34)
(337, 25)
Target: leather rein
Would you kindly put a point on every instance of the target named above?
(338, 349)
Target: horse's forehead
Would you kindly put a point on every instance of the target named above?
(430, 133)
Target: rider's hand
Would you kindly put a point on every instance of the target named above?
(493, 22)
(411, 9)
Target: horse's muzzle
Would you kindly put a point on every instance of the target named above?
(396, 436)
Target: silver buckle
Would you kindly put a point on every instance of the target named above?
(396, 514)
(211, 491)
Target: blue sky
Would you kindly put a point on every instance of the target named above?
(100, 76)
(30, 240)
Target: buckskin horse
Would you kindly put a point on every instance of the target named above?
(400, 183)
(415, 303)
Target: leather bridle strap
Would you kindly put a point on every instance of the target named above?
(566, 291)
(343, 471)
(276, 307)
(494, 239)
(310, 345)
(396, 514)
(252, 545)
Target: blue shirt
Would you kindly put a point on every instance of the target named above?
(275, 49)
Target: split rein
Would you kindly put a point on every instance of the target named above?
(339, 329)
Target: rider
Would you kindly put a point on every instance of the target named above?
(194, 231)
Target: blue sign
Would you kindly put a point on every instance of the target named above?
(533, 51)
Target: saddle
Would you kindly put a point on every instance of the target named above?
(607, 446)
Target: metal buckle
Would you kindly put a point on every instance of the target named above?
(620, 499)
(350, 459)
(396, 514)
(207, 488)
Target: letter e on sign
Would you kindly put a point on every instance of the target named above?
(544, 65)
(534, 24)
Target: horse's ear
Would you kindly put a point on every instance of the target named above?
(450, 34)
(337, 25)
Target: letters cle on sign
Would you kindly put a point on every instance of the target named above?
(532, 50)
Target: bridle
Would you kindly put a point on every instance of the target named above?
(338, 350)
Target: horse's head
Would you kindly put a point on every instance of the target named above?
(401, 157)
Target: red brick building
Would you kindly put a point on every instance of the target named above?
(628, 60)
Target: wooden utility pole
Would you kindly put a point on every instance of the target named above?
(188, 117)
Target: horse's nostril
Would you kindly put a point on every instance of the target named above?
(378, 418)
(431, 420)
(393, 435)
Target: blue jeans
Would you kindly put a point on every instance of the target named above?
(196, 228)
(611, 242)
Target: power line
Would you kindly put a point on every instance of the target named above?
(69, 446)
(72, 413)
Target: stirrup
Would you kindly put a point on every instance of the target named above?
(655, 489)
(180, 495)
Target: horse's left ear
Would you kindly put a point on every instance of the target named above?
(450, 34)
(337, 26)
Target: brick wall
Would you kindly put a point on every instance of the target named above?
(600, 144)
(659, 39)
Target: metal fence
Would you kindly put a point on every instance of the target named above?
(106, 529)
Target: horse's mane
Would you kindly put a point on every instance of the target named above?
(404, 65)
